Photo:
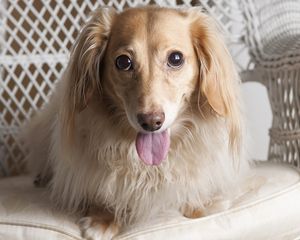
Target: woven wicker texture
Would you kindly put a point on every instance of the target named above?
(273, 36)
(35, 39)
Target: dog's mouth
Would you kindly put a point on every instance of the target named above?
(153, 148)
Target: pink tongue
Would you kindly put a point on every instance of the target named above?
(152, 148)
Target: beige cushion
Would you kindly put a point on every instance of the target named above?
(272, 212)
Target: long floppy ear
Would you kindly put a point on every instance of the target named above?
(218, 78)
(82, 75)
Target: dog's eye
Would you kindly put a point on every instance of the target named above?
(123, 62)
(175, 59)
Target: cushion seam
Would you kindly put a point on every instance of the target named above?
(41, 226)
(191, 221)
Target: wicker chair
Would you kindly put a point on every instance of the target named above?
(273, 37)
(35, 38)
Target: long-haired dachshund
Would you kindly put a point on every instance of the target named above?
(146, 118)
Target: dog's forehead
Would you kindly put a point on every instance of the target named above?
(153, 24)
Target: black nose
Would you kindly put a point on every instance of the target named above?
(151, 121)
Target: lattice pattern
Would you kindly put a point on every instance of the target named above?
(35, 39)
(273, 35)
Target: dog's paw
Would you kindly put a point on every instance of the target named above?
(95, 228)
(41, 181)
(191, 212)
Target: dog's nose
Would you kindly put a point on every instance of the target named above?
(151, 121)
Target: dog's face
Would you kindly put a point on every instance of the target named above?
(151, 67)
(150, 63)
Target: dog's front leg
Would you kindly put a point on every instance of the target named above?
(98, 224)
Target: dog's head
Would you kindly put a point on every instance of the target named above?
(151, 63)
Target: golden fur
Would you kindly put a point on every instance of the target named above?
(85, 136)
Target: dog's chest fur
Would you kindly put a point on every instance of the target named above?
(108, 170)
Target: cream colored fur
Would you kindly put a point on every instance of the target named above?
(85, 142)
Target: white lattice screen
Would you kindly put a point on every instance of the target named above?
(35, 39)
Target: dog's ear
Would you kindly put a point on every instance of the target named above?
(86, 55)
(82, 76)
(218, 78)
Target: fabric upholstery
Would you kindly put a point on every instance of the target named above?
(271, 212)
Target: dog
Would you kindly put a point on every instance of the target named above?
(146, 118)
